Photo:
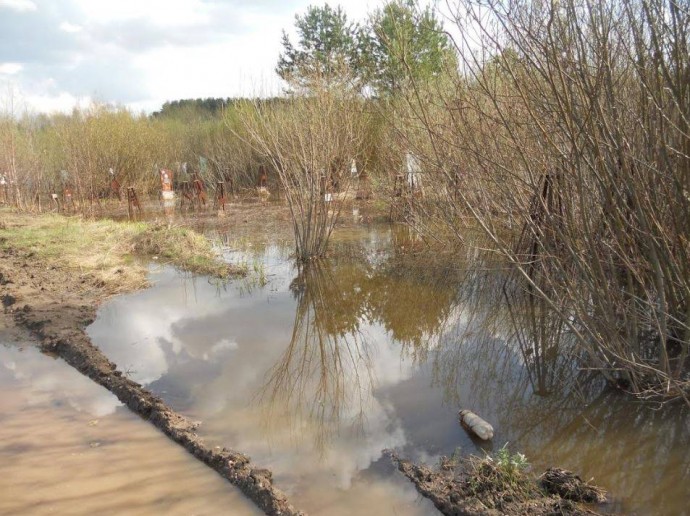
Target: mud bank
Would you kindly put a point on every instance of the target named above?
(56, 304)
(481, 488)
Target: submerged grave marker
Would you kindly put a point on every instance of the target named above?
(132, 203)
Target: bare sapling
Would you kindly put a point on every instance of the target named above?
(310, 141)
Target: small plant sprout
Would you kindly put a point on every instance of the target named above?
(509, 462)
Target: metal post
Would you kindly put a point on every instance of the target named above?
(220, 195)
(132, 203)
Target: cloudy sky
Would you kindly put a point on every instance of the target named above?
(140, 53)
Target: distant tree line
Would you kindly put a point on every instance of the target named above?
(204, 108)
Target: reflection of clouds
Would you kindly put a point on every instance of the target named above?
(134, 331)
(388, 365)
(43, 381)
(366, 424)
(219, 343)
(324, 427)
(350, 456)
(221, 346)
(218, 346)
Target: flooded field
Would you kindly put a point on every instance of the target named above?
(67, 446)
(315, 372)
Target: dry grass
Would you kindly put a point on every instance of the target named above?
(499, 484)
(499, 480)
(183, 248)
(569, 486)
(108, 250)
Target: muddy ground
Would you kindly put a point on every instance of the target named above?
(56, 304)
(481, 488)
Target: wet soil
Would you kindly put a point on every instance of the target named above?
(56, 305)
(464, 489)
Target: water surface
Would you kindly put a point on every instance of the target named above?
(314, 372)
(67, 446)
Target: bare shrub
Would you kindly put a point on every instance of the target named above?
(570, 122)
(311, 142)
(52, 155)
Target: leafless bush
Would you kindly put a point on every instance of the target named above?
(570, 120)
(311, 142)
(72, 155)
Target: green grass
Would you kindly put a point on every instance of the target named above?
(183, 248)
(109, 249)
(496, 479)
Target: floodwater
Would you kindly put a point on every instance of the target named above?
(314, 372)
(67, 446)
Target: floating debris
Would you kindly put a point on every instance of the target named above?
(476, 425)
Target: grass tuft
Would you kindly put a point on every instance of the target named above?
(183, 248)
(500, 479)
(108, 250)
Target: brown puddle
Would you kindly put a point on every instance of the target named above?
(314, 373)
(67, 446)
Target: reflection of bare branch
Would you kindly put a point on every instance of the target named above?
(538, 334)
(505, 345)
(540, 398)
(325, 374)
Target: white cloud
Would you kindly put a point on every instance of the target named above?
(62, 102)
(163, 12)
(10, 68)
(19, 5)
(39, 381)
(142, 53)
(70, 27)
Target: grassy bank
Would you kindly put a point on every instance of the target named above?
(108, 250)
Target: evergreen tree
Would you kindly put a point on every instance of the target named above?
(328, 50)
(405, 43)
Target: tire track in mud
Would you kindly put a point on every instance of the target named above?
(56, 305)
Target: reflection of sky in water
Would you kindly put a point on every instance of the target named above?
(46, 382)
(272, 374)
(68, 447)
